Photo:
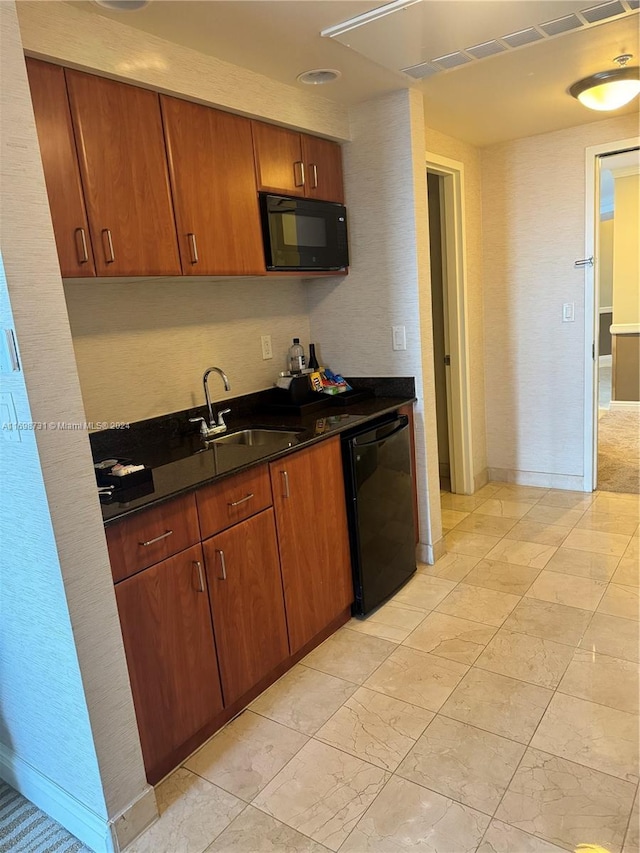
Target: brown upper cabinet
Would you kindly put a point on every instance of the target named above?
(118, 130)
(297, 164)
(214, 190)
(61, 172)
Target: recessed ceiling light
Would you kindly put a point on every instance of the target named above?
(123, 5)
(318, 76)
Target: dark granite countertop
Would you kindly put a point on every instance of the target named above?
(180, 462)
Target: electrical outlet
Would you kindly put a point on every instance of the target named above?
(399, 336)
(568, 312)
(267, 352)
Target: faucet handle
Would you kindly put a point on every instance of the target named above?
(202, 422)
(221, 414)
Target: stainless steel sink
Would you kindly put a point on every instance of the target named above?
(257, 438)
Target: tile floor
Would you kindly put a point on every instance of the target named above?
(490, 706)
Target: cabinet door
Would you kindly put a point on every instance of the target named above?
(308, 497)
(278, 156)
(323, 169)
(245, 588)
(123, 163)
(61, 171)
(214, 189)
(168, 640)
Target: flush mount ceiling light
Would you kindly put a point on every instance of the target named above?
(318, 76)
(122, 5)
(367, 17)
(609, 90)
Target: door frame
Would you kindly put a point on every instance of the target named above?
(593, 155)
(455, 281)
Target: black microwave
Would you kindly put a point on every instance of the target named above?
(303, 234)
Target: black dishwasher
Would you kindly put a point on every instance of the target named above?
(379, 491)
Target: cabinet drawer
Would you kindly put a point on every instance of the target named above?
(223, 504)
(151, 536)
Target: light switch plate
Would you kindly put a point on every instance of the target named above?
(399, 336)
(568, 312)
(8, 418)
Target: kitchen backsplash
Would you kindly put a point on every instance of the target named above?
(142, 345)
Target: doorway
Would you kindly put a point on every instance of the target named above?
(445, 187)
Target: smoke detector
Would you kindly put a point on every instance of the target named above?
(318, 76)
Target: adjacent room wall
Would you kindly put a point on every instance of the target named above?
(533, 219)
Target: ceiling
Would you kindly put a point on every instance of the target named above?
(518, 92)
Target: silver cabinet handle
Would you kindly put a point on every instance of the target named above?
(81, 246)
(198, 566)
(223, 564)
(298, 169)
(314, 172)
(241, 501)
(109, 253)
(285, 476)
(157, 539)
(193, 248)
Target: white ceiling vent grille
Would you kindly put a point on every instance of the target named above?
(603, 11)
(633, 4)
(523, 37)
(561, 25)
(421, 71)
(487, 48)
(452, 60)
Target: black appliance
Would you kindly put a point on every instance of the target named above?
(379, 491)
(303, 234)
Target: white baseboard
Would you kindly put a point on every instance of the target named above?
(542, 479)
(624, 406)
(605, 360)
(91, 828)
(480, 479)
(430, 553)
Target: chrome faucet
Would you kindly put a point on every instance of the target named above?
(209, 429)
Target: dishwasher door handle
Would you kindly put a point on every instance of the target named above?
(399, 425)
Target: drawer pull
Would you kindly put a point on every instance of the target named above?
(157, 539)
(198, 566)
(83, 252)
(241, 501)
(286, 484)
(223, 564)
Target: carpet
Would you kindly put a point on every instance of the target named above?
(26, 829)
(619, 452)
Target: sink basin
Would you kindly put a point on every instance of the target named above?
(257, 438)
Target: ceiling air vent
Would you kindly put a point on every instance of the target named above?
(452, 60)
(603, 11)
(561, 25)
(487, 48)
(633, 4)
(421, 71)
(522, 37)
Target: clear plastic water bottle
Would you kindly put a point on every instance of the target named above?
(296, 357)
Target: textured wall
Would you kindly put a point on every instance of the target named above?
(446, 146)
(388, 284)
(533, 230)
(66, 700)
(67, 33)
(626, 253)
(142, 345)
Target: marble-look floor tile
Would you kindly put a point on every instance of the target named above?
(463, 762)
(513, 491)
(451, 517)
(603, 679)
(612, 544)
(632, 840)
(526, 658)
(608, 523)
(408, 817)
(322, 792)
(628, 572)
(549, 621)
(246, 754)
(256, 832)
(472, 544)
(528, 530)
(522, 553)
(566, 803)
(424, 592)
(417, 677)
(450, 637)
(610, 635)
(488, 490)
(503, 577)
(349, 655)
(303, 699)
(192, 813)
(492, 525)
(628, 505)
(584, 564)
(502, 838)
(375, 727)
(567, 499)
(479, 604)
(505, 509)
(559, 516)
(498, 704)
(570, 590)
(594, 735)
(623, 601)
(461, 503)
(392, 621)
(451, 567)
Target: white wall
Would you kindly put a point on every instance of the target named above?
(533, 231)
